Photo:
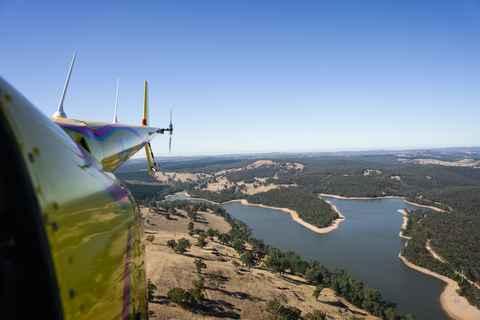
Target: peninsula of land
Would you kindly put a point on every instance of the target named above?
(293, 214)
(456, 306)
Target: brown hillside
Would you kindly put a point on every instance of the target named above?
(245, 292)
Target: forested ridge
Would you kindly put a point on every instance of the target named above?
(455, 238)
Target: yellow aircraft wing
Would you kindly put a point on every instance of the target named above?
(71, 234)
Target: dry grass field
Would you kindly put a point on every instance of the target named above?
(245, 292)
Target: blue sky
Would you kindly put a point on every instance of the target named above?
(257, 76)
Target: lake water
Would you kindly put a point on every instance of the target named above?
(366, 245)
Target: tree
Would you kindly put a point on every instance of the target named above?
(317, 291)
(274, 308)
(171, 244)
(212, 233)
(248, 259)
(277, 311)
(150, 288)
(275, 253)
(198, 284)
(215, 279)
(275, 265)
(191, 226)
(224, 238)
(391, 314)
(290, 313)
(196, 294)
(315, 274)
(239, 246)
(199, 265)
(152, 206)
(201, 242)
(192, 214)
(182, 246)
(150, 238)
(316, 315)
(196, 291)
(181, 297)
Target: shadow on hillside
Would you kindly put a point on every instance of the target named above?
(294, 281)
(241, 295)
(338, 304)
(342, 305)
(217, 309)
(163, 300)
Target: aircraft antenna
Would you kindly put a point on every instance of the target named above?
(116, 103)
(145, 106)
(60, 112)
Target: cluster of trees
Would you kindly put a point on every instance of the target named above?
(181, 246)
(277, 311)
(238, 228)
(188, 298)
(146, 193)
(462, 200)
(224, 195)
(454, 237)
(352, 289)
(193, 296)
(309, 207)
(142, 191)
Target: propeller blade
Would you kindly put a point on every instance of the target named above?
(170, 127)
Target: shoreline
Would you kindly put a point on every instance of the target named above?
(425, 206)
(454, 305)
(358, 198)
(386, 197)
(404, 225)
(335, 223)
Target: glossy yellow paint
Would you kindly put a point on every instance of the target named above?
(93, 223)
(110, 143)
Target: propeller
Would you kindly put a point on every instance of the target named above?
(170, 128)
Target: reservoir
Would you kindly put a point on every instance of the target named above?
(366, 245)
